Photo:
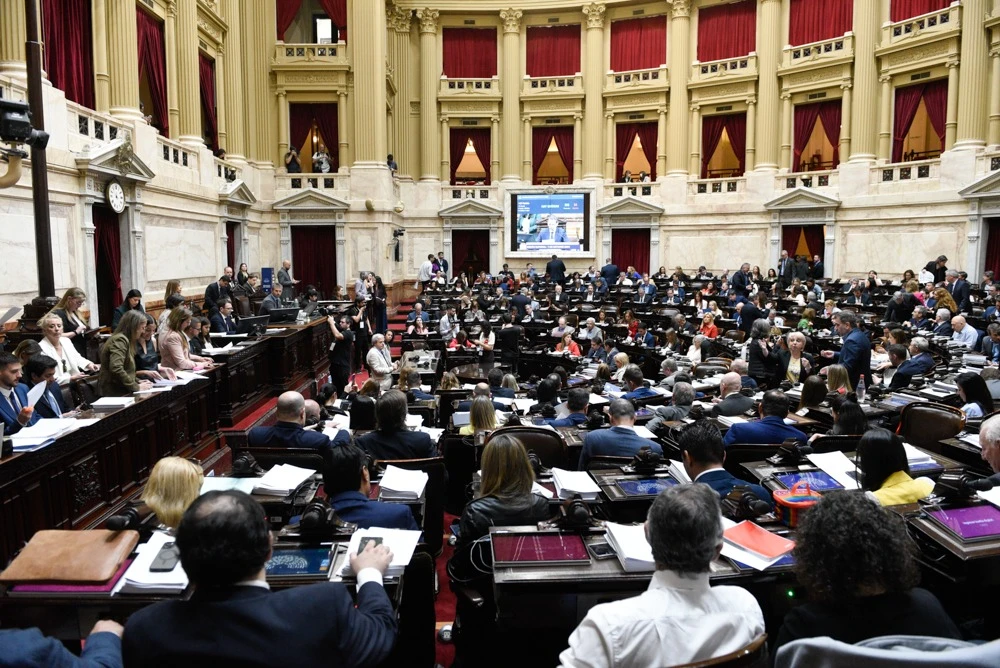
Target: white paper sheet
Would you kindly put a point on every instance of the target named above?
(35, 393)
(837, 465)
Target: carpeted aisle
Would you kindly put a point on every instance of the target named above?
(444, 604)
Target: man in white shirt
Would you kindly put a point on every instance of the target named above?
(680, 618)
(380, 362)
(963, 332)
(448, 324)
(591, 331)
(426, 272)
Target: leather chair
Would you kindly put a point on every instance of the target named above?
(84, 391)
(446, 404)
(433, 521)
(242, 305)
(307, 458)
(721, 361)
(461, 462)
(845, 443)
(753, 655)
(705, 369)
(547, 444)
(607, 462)
(925, 423)
(362, 412)
(737, 335)
(739, 453)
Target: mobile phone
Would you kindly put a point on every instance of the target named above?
(166, 559)
(601, 550)
(376, 540)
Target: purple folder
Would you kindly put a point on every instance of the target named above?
(57, 588)
(978, 522)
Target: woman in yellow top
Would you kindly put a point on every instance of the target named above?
(882, 458)
(482, 417)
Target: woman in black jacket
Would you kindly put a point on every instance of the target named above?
(761, 365)
(790, 360)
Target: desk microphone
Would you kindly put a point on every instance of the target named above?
(129, 519)
(982, 484)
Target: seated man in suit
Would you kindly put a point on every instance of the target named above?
(577, 403)
(495, 379)
(288, 431)
(14, 408)
(704, 454)
(771, 427)
(42, 369)
(417, 312)
(233, 619)
(272, 301)
(921, 362)
(991, 344)
(730, 401)
(222, 319)
(668, 367)
(481, 390)
(28, 647)
(348, 484)
(410, 377)
(942, 323)
(919, 320)
(643, 337)
(620, 440)
(679, 407)
(596, 353)
(392, 439)
(216, 291)
(635, 383)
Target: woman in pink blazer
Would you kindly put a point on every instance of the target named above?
(174, 350)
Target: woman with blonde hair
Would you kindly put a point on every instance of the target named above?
(27, 349)
(70, 365)
(117, 376)
(74, 326)
(482, 417)
(173, 485)
(621, 361)
(449, 381)
(509, 382)
(943, 300)
(837, 379)
(174, 350)
(173, 288)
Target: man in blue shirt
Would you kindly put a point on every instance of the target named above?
(347, 482)
(618, 441)
(704, 454)
(635, 383)
(771, 428)
(577, 403)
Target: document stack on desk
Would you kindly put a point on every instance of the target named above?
(753, 545)
(678, 471)
(45, 432)
(401, 484)
(401, 542)
(226, 483)
(629, 543)
(108, 404)
(837, 466)
(939, 390)
(414, 421)
(917, 459)
(139, 579)
(570, 483)
(730, 420)
(282, 480)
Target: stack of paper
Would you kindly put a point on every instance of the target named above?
(916, 456)
(629, 543)
(112, 403)
(678, 471)
(402, 484)
(400, 541)
(414, 421)
(730, 420)
(643, 431)
(570, 483)
(45, 432)
(188, 376)
(139, 579)
(224, 484)
(754, 555)
(433, 432)
(837, 466)
(282, 480)
(541, 491)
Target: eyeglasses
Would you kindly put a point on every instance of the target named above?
(64, 367)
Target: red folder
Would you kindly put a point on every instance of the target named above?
(758, 540)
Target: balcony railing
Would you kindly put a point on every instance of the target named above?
(987, 162)
(744, 66)
(940, 21)
(828, 49)
(653, 78)
(717, 186)
(453, 193)
(98, 128)
(807, 179)
(571, 85)
(900, 173)
(226, 172)
(469, 87)
(310, 55)
(612, 190)
(177, 153)
(316, 181)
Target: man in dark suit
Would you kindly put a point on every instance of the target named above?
(288, 431)
(816, 273)
(233, 619)
(556, 269)
(786, 269)
(577, 404)
(635, 384)
(222, 319)
(272, 301)
(801, 268)
(560, 297)
(704, 454)
(42, 369)
(959, 290)
(14, 407)
(747, 313)
(731, 402)
(28, 647)
(519, 301)
(919, 319)
(643, 337)
(620, 440)
(771, 428)
(495, 378)
(216, 291)
(392, 439)
(647, 290)
(482, 390)
(741, 281)
(942, 323)
(991, 344)
(900, 307)
(609, 272)
(597, 352)
(856, 352)
(348, 485)
(921, 363)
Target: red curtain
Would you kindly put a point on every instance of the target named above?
(469, 53)
(108, 256)
(935, 97)
(630, 248)
(470, 251)
(206, 77)
(806, 116)
(735, 126)
(68, 56)
(993, 247)
(817, 20)
(300, 121)
(638, 44)
(553, 51)
(337, 11)
(648, 133)
(791, 234)
(727, 31)
(541, 139)
(314, 252)
(563, 134)
(231, 227)
(625, 134)
(153, 63)
(285, 11)
(480, 143)
(830, 117)
(900, 10)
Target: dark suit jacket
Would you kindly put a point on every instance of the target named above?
(766, 431)
(856, 355)
(614, 442)
(817, 271)
(960, 293)
(28, 647)
(356, 507)
(571, 420)
(723, 482)
(269, 303)
(44, 406)
(246, 626)
(802, 271)
(786, 271)
(902, 311)
(740, 283)
(292, 435)
(920, 364)
(733, 404)
(504, 392)
(944, 329)
(988, 347)
(213, 293)
(556, 270)
(11, 425)
(398, 445)
(222, 325)
(609, 272)
(466, 406)
(748, 314)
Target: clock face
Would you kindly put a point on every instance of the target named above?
(116, 196)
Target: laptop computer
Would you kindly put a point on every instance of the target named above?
(254, 326)
(284, 314)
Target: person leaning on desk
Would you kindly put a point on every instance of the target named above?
(288, 431)
(117, 375)
(771, 427)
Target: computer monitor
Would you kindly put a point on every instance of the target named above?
(254, 326)
(284, 314)
(309, 308)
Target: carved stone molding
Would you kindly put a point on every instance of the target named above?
(428, 19)
(595, 15)
(398, 19)
(511, 19)
(85, 482)
(680, 8)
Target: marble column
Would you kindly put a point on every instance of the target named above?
(576, 169)
(343, 114)
(769, 45)
(445, 165)
(12, 37)
(955, 106)
(526, 135)
(971, 131)
(609, 146)
(884, 119)
(283, 130)
(430, 158)
(494, 167)
(188, 81)
(232, 83)
(123, 60)
(845, 121)
(661, 142)
(680, 68)
(593, 90)
(867, 32)
(994, 126)
(257, 51)
(694, 141)
(222, 127)
(99, 33)
(510, 86)
(399, 22)
(170, 64)
(787, 110)
(751, 146)
(368, 19)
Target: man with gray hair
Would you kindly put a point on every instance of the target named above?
(620, 440)
(287, 432)
(380, 362)
(730, 401)
(919, 319)
(668, 367)
(742, 367)
(591, 331)
(680, 618)
(900, 307)
(959, 290)
(921, 363)
(682, 400)
(989, 441)
(942, 323)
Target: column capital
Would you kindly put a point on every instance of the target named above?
(511, 19)
(695, 108)
(609, 115)
(595, 15)
(526, 119)
(171, 9)
(428, 20)
(751, 100)
(952, 62)
(398, 19)
(785, 95)
(577, 116)
(220, 50)
(680, 9)
(995, 53)
(661, 110)
(281, 92)
(494, 119)
(885, 78)
(846, 85)
(443, 118)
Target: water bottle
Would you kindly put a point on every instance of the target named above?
(861, 390)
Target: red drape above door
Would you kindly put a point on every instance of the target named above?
(541, 139)
(324, 114)
(470, 251)
(552, 51)
(993, 247)
(153, 63)
(231, 227)
(804, 240)
(900, 10)
(630, 248)
(735, 126)
(480, 143)
(638, 44)
(285, 11)
(314, 254)
(68, 55)
(817, 20)
(206, 78)
(469, 53)
(727, 31)
(935, 97)
(108, 254)
(337, 11)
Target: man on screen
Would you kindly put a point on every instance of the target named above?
(552, 231)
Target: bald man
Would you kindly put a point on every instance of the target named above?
(731, 402)
(481, 390)
(288, 431)
(963, 332)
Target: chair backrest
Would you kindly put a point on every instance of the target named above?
(307, 458)
(926, 423)
(753, 655)
(607, 462)
(433, 524)
(362, 412)
(547, 444)
(446, 407)
(461, 461)
(739, 453)
(704, 370)
(737, 335)
(242, 304)
(721, 361)
(84, 391)
(845, 443)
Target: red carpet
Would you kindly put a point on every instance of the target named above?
(444, 604)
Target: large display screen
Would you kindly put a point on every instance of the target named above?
(550, 223)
